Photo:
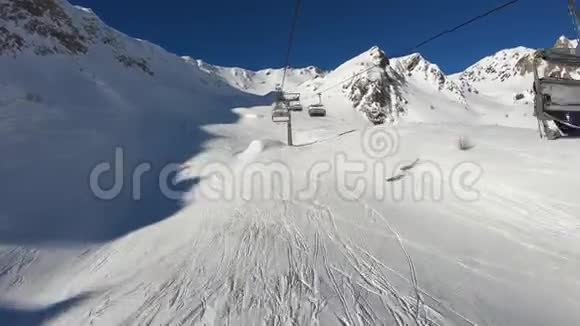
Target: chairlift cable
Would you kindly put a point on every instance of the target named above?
(291, 41)
(431, 39)
(468, 22)
(348, 79)
(575, 16)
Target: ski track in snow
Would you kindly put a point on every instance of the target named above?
(297, 262)
(289, 262)
(237, 271)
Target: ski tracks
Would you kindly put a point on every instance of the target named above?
(285, 263)
(369, 278)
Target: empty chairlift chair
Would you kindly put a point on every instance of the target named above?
(557, 96)
(317, 110)
(280, 113)
(293, 101)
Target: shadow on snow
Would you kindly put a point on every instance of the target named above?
(45, 192)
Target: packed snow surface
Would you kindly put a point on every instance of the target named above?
(418, 251)
(453, 212)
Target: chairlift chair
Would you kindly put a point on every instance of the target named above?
(557, 99)
(316, 110)
(280, 113)
(295, 106)
(290, 97)
(292, 100)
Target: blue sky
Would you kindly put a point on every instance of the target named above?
(254, 33)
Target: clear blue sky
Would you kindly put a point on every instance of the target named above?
(254, 33)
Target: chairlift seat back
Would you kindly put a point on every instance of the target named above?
(556, 94)
(290, 97)
(295, 106)
(280, 113)
(565, 56)
(560, 94)
(557, 97)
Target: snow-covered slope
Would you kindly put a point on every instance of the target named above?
(259, 82)
(391, 90)
(566, 43)
(317, 249)
(420, 70)
(340, 229)
(508, 74)
(501, 67)
(367, 82)
(72, 90)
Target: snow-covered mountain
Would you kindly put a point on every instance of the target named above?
(367, 83)
(72, 90)
(408, 88)
(566, 43)
(415, 67)
(508, 74)
(259, 82)
(411, 87)
(500, 67)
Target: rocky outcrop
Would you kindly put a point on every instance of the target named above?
(377, 92)
(54, 27)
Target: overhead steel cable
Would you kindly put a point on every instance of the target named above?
(348, 79)
(472, 20)
(575, 14)
(291, 41)
(431, 39)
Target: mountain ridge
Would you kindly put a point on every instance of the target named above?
(55, 27)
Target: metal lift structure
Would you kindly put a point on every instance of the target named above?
(557, 97)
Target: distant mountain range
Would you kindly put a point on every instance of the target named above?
(410, 87)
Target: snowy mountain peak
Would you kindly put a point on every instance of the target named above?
(416, 64)
(86, 10)
(51, 27)
(564, 42)
(508, 74)
(501, 66)
(429, 75)
(45, 26)
(378, 56)
(259, 82)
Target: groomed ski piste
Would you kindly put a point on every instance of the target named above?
(454, 212)
(496, 248)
